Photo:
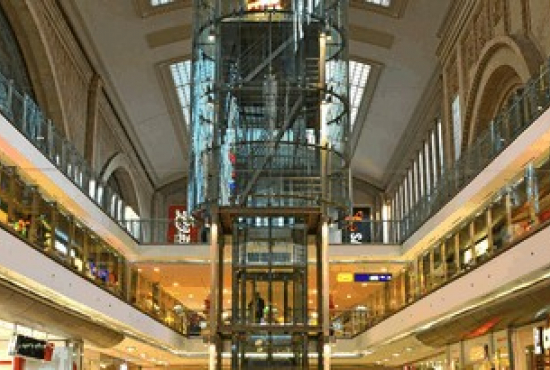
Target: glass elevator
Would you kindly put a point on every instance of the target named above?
(269, 170)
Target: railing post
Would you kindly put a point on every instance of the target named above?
(24, 116)
(9, 99)
(49, 140)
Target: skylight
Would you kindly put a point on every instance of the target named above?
(181, 75)
(384, 3)
(358, 77)
(160, 2)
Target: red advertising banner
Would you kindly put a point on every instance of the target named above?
(181, 227)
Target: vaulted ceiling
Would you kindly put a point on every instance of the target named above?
(132, 46)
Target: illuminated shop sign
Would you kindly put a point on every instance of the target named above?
(371, 278)
(344, 277)
(264, 4)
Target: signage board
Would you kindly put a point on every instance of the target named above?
(538, 340)
(546, 338)
(371, 277)
(28, 347)
(344, 277)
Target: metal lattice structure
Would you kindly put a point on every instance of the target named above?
(270, 165)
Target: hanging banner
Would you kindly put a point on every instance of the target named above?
(358, 226)
(181, 226)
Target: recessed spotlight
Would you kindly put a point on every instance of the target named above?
(348, 296)
(176, 284)
(190, 296)
(140, 270)
(365, 285)
(131, 349)
(142, 355)
(408, 349)
(156, 269)
(396, 355)
(384, 269)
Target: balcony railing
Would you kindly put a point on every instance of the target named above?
(52, 230)
(501, 132)
(366, 232)
(167, 231)
(518, 210)
(27, 117)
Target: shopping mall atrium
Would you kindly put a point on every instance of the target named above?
(274, 184)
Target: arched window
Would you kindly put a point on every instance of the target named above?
(12, 63)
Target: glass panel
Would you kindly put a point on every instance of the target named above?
(22, 200)
(467, 257)
(160, 2)
(77, 248)
(426, 275)
(438, 273)
(519, 207)
(44, 237)
(384, 3)
(62, 235)
(181, 76)
(94, 250)
(457, 126)
(499, 220)
(543, 187)
(5, 175)
(480, 240)
(358, 78)
(451, 257)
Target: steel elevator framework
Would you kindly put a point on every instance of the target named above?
(269, 169)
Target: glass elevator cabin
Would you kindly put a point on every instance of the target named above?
(269, 171)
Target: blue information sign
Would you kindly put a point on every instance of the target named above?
(371, 278)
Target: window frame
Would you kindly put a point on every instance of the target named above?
(395, 9)
(146, 9)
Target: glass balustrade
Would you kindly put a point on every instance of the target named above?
(516, 211)
(25, 115)
(48, 227)
(526, 107)
(522, 111)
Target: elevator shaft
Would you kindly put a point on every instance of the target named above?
(269, 169)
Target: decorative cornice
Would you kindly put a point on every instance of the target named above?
(452, 27)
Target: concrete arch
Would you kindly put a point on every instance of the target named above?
(30, 36)
(119, 166)
(505, 64)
